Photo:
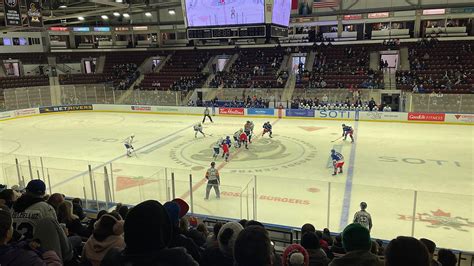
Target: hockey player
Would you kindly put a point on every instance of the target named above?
(362, 217)
(198, 128)
(227, 141)
(248, 128)
(347, 131)
(337, 161)
(243, 139)
(267, 128)
(237, 137)
(216, 148)
(225, 151)
(128, 145)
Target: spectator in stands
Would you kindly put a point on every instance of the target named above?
(7, 198)
(147, 233)
(317, 257)
(404, 251)
(327, 236)
(223, 254)
(253, 247)
(212, 238)
(73, 224)
(295, 255)
(77, 208)
(55, 200)
(357, 243)
(431, 246)
(178, 239)
(107, 234)
(22, 253)
(447, 258)
(123, 211)
(29, 203)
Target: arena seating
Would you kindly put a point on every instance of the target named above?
(26, 81)
(27, 58)
(254, 68)
(441, 66)
(181, 72)
(85, 78)
(341, 66)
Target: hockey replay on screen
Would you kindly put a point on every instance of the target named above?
(205, 13)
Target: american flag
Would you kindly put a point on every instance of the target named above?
(325, 3)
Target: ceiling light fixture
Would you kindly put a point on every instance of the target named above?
(116, 14)
(148, 14)
(126, 15)
(171, 12)
(104, 17)
(63, 6)
(80, 18)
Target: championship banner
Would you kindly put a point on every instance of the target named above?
(12, 13)
(33, 11)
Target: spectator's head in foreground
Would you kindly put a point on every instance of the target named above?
(253, 247)
(36, 188)
(307, 228)
(227, 236)
(355, 237)
(310, 241)
(147, 228)
(295, 255)
(446, 257)
(6, 226)
(406, 251)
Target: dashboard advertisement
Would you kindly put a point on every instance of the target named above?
(204, 13)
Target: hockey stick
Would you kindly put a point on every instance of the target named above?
(337, 139)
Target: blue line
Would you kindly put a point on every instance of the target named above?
(348, 189)
(117, 158)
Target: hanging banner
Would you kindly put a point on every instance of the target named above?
(12, 13)
(33, 11)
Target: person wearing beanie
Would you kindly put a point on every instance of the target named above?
(406, 251)
(30, 208)
(295, 255)
(253, 247)
(107, 234)
(431, 246)
(317, 257)
(147, 233)
(357, 243)
(20, 254)
(223, 253)
(447, 258)
(178, 239)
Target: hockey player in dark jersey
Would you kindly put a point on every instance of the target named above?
(248, 129)
(267, 128)
(347, 131)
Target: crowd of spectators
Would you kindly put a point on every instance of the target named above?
(347, 104)
(256, 69)
(37, 229)
(188, 83)
(124, 75)
(423, 75)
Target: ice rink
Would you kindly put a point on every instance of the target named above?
(403, 171)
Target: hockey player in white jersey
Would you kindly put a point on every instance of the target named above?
(198, 128)
(128, 145)
(216, 148)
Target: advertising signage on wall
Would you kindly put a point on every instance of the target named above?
(33, 12)
(378, 15)
(12, 13)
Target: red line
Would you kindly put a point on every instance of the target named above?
(222, 165)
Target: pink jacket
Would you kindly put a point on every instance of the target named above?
(94, 250)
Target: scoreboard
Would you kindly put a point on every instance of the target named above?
(233, 19)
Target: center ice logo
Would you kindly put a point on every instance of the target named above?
(263, 149)
(263, 155)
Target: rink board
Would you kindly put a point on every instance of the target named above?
(394, 167)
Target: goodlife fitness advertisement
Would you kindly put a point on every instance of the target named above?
(432, 117)
(203, 13)
(231, 111)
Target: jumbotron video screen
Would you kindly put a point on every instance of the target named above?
(205, 13)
